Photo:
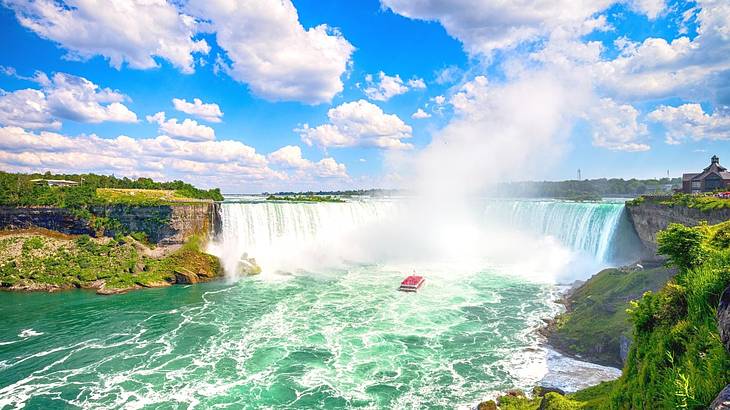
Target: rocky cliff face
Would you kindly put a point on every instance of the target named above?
(650, 218)
(164, 225)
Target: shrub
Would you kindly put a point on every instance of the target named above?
(682, 246)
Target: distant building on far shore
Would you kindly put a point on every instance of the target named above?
(712, 178)
(54, 182)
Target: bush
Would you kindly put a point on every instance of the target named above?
(682, 246)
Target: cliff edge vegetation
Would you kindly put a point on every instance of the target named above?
(41, 260)
(677, 359)
(24, 190)
(596, 324)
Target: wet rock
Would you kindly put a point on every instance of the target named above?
(185, 277)
(624, 346)
(247, 266)
(487, 405)
(722, 401)
(540, 391)
(723, 318)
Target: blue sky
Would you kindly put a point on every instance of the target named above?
(618, 89)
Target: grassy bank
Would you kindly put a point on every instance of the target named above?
(31, 190)
(304, 198)
(703, 202)
(677, 360)
(47, 261)
(598, 308)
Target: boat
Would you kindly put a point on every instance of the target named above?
(412, 283)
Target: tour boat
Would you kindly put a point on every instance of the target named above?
(411, 283)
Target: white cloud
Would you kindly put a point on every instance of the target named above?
(210, 112)
(417, 83)
(63, 97)
(690, 121)
(484, 27)
(657, 68)
(651, 8)
(273, 53)
(228, 164)
(448, 75)
(358, 123)
(290, 157)
(123, 31)
(78, 99)
(26, 108)
(188, 130)
(385, 87)
(420, 114)
(439, 99)
(616, 126)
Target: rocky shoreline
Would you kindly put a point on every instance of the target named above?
(39, 260)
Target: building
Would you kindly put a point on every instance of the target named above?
(712, 178)
(54, 182)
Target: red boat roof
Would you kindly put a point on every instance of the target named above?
(412, 280)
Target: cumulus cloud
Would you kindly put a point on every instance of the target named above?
(384, 87)
(616, 126)
(651, 8)
(78, 99)
(691, 121)
(28, 109)
(290, 157)
(64, 96)
(420, 114)
(134, 32)
(417, 83)
(657, 68)
(228, 164)
(210, 112)
(188, 130)
(273, 53)
(484, 27)
(358, 123)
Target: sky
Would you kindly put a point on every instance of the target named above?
(272, 95)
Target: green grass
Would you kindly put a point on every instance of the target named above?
(305, 198)
(44, 261)
(703, 202)
(597, 316)
(144, 197)
(677, 360)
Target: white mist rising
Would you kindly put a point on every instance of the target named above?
(512, 130)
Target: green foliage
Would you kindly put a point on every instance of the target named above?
(79, 262)
(682, 246)
(32, 244)
(597, 316)
(304, 198)
(703, 202)
(677, 359)
(18, 190)
(591, 188)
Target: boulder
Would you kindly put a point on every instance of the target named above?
(487, 405)
(722, 401)
(723, 318)
(247, 266)
(185, 277)
(540, 391)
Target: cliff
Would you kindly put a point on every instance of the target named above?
(162, 225)
(648, 218)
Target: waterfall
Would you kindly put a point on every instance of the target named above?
(272, 231)
(588, 227)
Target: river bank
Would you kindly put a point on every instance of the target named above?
(49, 261)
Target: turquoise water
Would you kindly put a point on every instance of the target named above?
(338, 340)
